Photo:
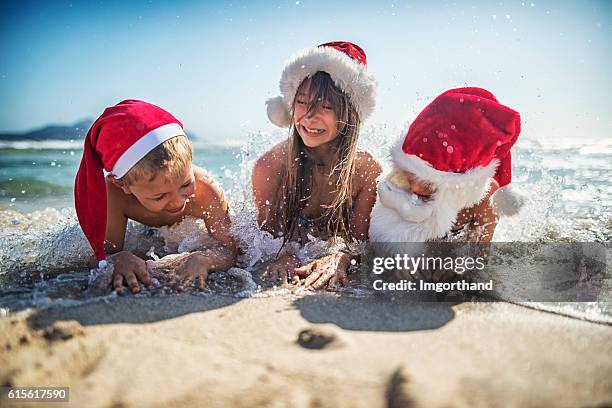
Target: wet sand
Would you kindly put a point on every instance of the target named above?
(322, 350)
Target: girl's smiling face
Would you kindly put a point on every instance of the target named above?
(315, 121)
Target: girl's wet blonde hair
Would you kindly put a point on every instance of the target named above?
(297, 186)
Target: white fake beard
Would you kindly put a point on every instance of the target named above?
(399, 216)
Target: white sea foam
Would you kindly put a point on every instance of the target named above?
(42, 144)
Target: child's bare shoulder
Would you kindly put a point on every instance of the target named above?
(117, 200)
(205, 184)
(485, 203)
(480, 210)
(275, 157)
(207, 192)
(271, 164)
(367, 166)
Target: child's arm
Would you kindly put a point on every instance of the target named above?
(127, 267)
(266, 180)
(212, 207)
(483, 218)
(116, 220)
(368, 170)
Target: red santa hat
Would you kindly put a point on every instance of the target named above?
(461, 141)
(345, 62)
(117, 140)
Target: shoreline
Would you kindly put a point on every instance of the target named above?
(316, 350)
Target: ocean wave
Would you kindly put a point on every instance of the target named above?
(31, 187)
(51, 240)
(78, 144)
(41, 145)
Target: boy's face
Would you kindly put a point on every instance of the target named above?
(162, 196)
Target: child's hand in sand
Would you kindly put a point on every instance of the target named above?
(193, 267)
(282, 268)
(129, 269)
(329, 270)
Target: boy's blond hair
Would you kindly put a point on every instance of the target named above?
(169, 158)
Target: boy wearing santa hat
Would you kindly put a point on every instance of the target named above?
(451, 173)
(137, 164)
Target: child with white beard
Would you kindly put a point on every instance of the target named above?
(451, 173)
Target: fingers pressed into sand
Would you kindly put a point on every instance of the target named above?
(312, 278)
(295, 279)
(132, 282)
(172, 282)
(118, 283)
(334, 279)
(323, 279)
(305, 270)
(185, 282)
(201, 282)
(143, 275)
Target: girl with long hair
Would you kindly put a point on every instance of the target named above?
(316, 182)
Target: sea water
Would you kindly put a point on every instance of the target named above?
(45, 259)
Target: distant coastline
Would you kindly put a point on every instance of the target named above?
(69, 133)
(76, 131)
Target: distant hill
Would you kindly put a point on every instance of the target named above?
(58, 132)
(54, 132)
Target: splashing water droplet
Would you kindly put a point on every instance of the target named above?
(450, 149)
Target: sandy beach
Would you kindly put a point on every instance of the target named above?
(322, 350)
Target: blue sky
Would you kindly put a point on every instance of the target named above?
(214, 64)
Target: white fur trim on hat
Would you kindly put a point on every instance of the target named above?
(144, 145)
(348, 75)
(468, 187)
